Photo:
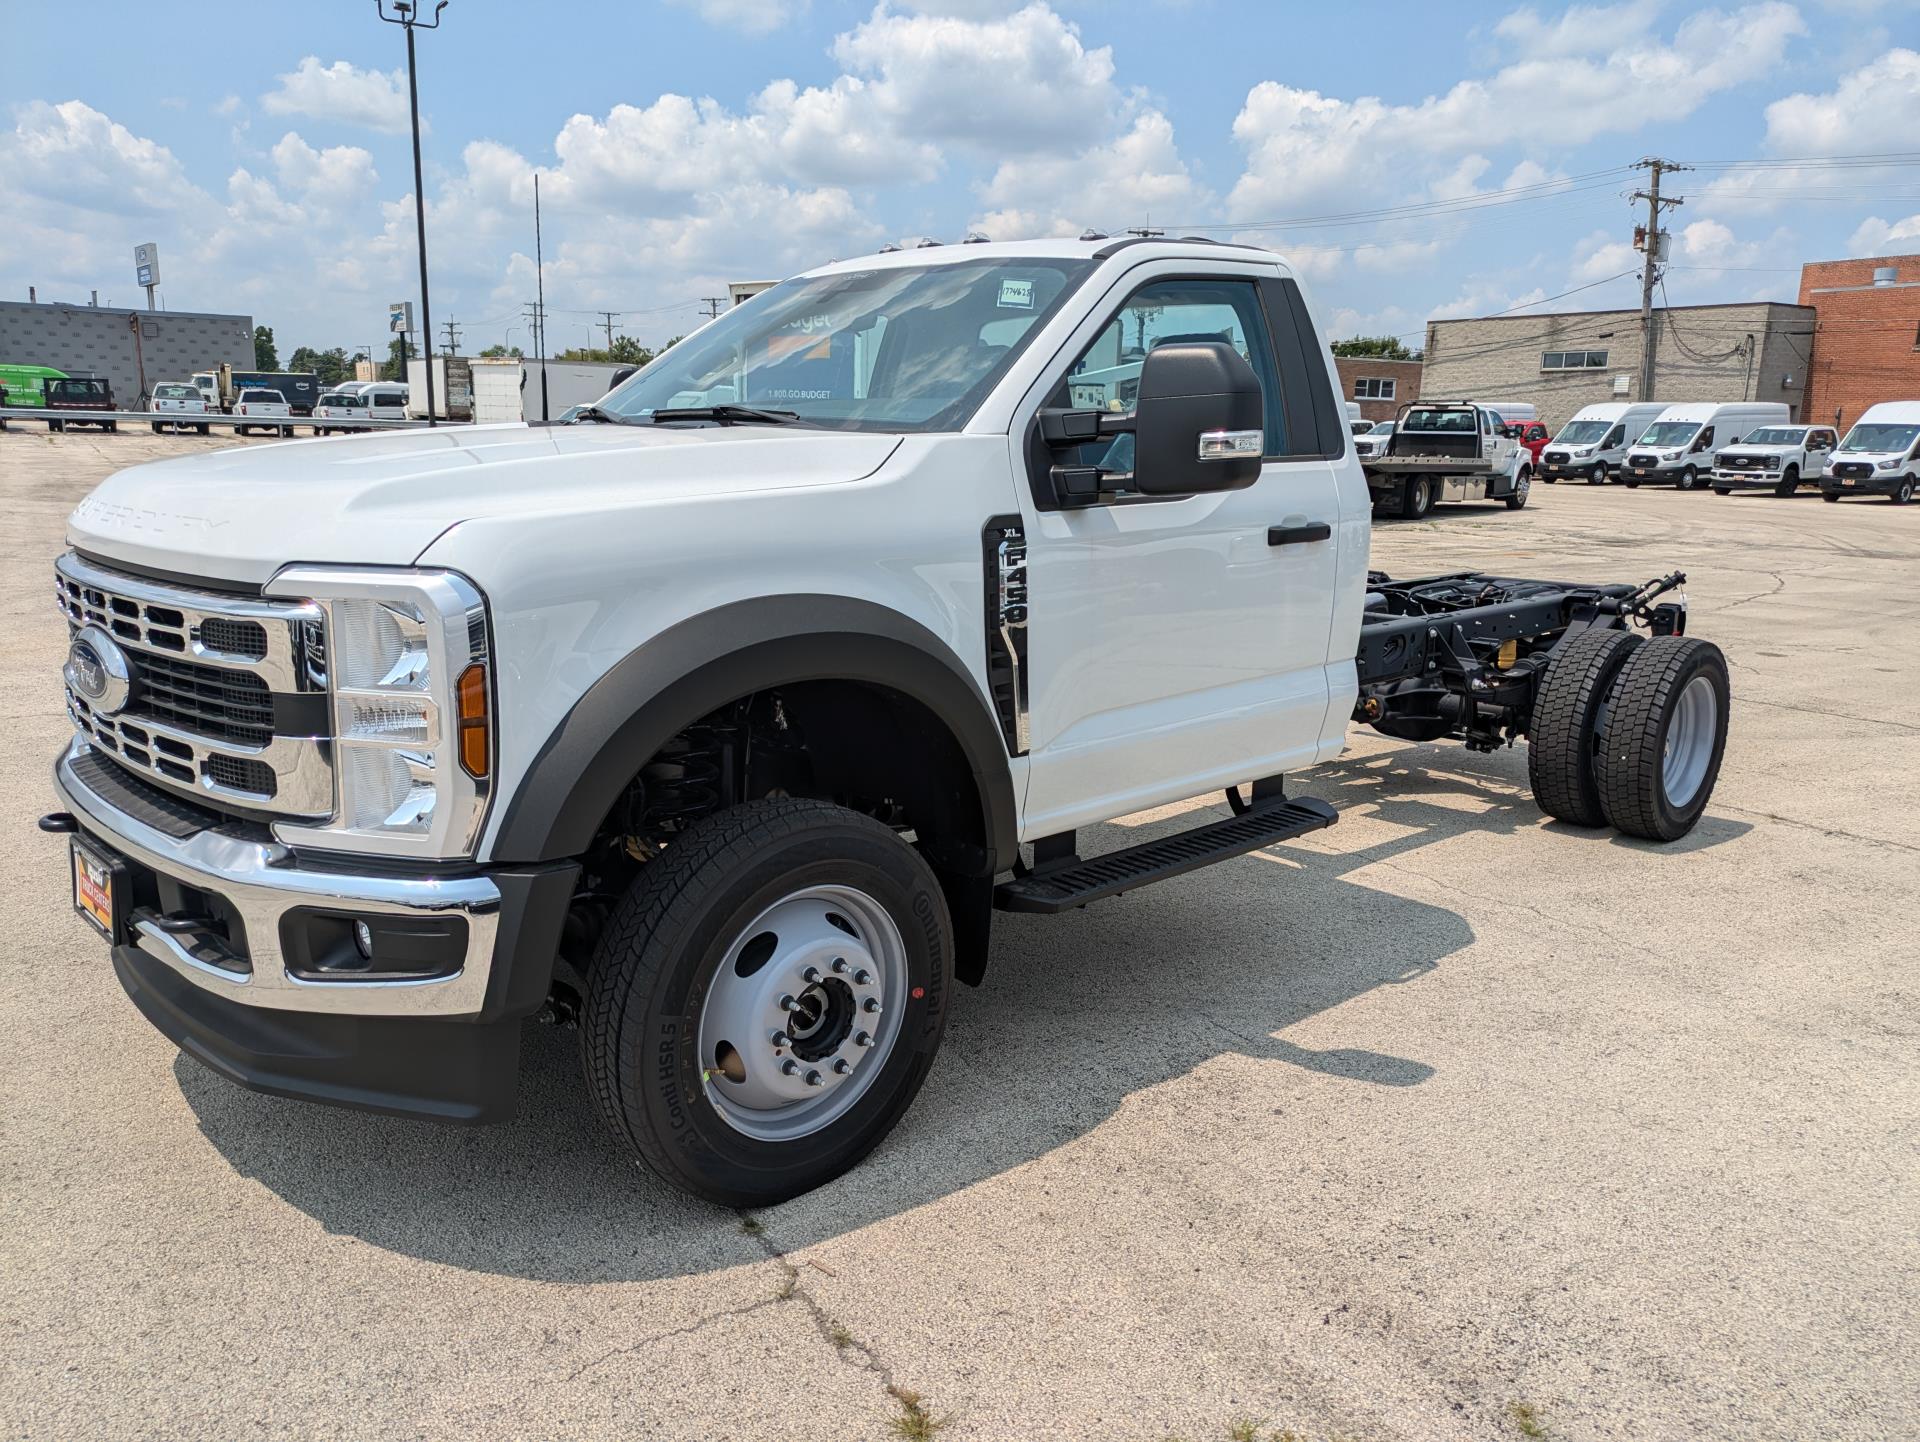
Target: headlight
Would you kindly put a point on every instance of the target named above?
(1892, 465)
(407, 655)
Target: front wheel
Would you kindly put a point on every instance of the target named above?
(1905, 493)
(1722, 491)
(1830, 496)
(1688, 478)
(1789, 482)
(1520, 488)
(767, 999)
(1599, 476)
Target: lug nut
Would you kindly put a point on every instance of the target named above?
(841, 1066)
(789, 1067)
(811, 974)
(861, 1038)
(787, 1003)
(814, 1079)
(871, 1006)
(863, 977)
(839, 963)
(780, 1038)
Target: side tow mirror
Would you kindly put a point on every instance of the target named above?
(1199, 422)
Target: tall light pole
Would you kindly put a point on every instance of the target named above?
(406, 14)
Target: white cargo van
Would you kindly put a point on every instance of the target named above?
(1593, 445)
(1879, 457)
(1677, 449)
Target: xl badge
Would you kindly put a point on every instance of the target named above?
(97, 670)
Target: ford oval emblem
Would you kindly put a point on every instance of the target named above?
(98, 670)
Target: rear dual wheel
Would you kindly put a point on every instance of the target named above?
(1630, 733)
(767, 999)
(1416, 498)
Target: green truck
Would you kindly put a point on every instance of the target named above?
(25, 385)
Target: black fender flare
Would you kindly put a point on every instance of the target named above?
(702, 663)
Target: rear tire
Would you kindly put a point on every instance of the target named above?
(1416, 498)
(56, 428)
(156, 428)
(1564, 731)
(1666, 733)
(686, 959)
(204, 428)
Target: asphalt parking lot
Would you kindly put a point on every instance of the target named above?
(1447, 1123)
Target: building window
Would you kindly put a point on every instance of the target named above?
(1574, 360)
(1373, 388)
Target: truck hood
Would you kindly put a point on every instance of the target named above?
(381, 499)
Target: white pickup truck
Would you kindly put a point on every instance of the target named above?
(721, 721)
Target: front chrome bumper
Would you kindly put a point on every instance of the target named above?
(264, 882)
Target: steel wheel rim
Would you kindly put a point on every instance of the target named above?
(811, 1023)
(1690, 735)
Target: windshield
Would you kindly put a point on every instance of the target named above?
(1670, 433)
(176, 393)
(263, 398)
(1775, 436)
(1581, 433)
(1880, 438)
(899, 349)
(340, 400)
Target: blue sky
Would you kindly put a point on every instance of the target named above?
(688, 143)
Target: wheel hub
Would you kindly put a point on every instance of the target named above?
(802, 1012)
(1689, 744)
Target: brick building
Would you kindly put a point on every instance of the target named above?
(1866, 344)
(1751, 351)
(1381, 386)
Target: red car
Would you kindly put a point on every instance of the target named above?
(1531, 434)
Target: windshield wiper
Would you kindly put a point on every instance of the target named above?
(594, 413)
(726, 415)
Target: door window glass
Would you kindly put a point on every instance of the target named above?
(1106, 377)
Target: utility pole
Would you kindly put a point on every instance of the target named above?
(540, 286)
(609, 314)
(452, 329)
(1653, 241)
(406, 14)
(712, 303)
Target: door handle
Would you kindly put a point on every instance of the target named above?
(1298, 535)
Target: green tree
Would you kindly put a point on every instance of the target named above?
(397, 353)
(1376, 347)
(265, 356)
(331, 366)
(629, 352)
(501, 352)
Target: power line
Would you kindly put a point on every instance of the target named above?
(452, 329)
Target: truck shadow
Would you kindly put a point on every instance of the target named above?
(1076, 1016)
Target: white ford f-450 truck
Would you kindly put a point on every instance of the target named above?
(720, 721)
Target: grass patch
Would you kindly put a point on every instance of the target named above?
(839, 1335)
(1526, 1417)
(913, 1422)
(751, 1226)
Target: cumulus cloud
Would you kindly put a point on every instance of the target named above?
(1305, 148)
(754, 17)
(1136, 178)
(342, 93)
(71, 155)
(1875, 236)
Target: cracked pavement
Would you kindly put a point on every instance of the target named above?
(1372, 1134)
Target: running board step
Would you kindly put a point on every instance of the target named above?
(1075, 883)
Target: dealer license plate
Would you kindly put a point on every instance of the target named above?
(93, 884)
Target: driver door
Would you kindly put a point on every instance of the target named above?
(1174, 644)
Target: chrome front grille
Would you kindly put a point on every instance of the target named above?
(228, 699)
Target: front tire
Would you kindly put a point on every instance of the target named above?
(1687, 479)
(1905, 493)
(1665, 737)
(1599, 476)
(728, 998)
(1830, 496)
(1521, 486)
(1789, 482)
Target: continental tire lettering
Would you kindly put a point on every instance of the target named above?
(666, 1066)
(928, 916)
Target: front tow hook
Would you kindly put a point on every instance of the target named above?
(61, 823)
